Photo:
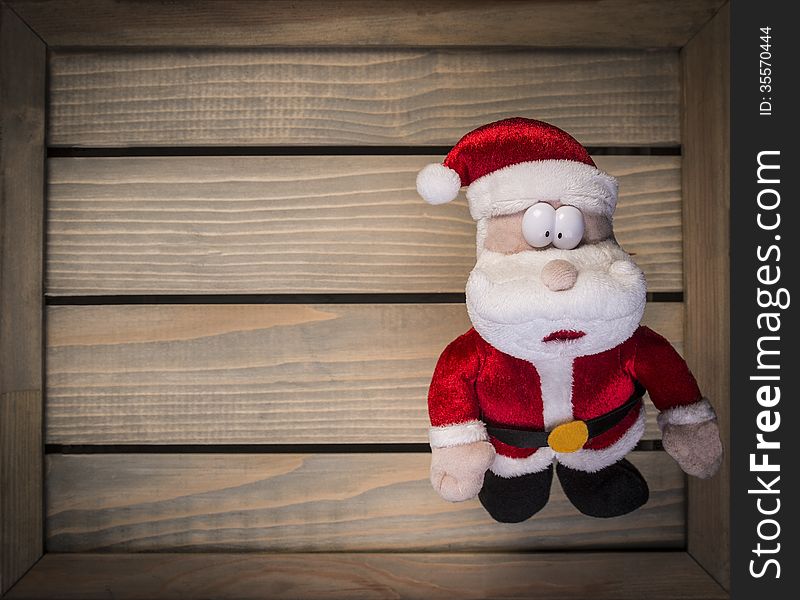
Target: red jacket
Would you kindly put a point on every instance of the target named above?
(475, 384)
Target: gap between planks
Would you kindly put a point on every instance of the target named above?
(153, 151)
(644, 445)
(355, 298)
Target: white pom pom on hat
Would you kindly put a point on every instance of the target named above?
(438, 184)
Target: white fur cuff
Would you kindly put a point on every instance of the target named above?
(688, 414)
(458, 435)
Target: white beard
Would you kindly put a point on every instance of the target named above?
(514, 311)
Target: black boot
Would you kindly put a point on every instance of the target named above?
(610, 492)
(514, 499)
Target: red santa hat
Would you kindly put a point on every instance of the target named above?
(512, 164)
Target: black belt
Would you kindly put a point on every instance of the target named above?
(522, 438)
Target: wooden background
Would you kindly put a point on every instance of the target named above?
(240, 297)
(247, 298)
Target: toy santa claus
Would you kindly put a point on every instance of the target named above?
(551, 375)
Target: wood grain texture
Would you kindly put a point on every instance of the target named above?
(190, 225)
(21, 490)
(357, 97)
(320, 503)
(199, 23)
(174, 374)
(365, 576)
(706, 182)
(22, 104)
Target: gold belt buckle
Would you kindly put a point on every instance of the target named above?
(568, 437)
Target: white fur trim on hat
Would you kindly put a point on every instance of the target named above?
(438, 184)
(457, 435)
(516, 187)
(688, 414)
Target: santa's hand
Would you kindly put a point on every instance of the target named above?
(457, 472)
(696, 447)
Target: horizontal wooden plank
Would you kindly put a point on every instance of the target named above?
(366, 576)
(300, 224)
(356, 97)
(199, 23)
(326, 502)
(172, 374)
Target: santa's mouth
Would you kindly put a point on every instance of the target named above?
(564, 335)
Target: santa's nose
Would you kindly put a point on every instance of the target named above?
(559, 275)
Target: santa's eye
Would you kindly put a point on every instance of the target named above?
(568, 228)
(538, 225)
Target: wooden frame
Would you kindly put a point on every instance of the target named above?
(29, 27)
(22, 107)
